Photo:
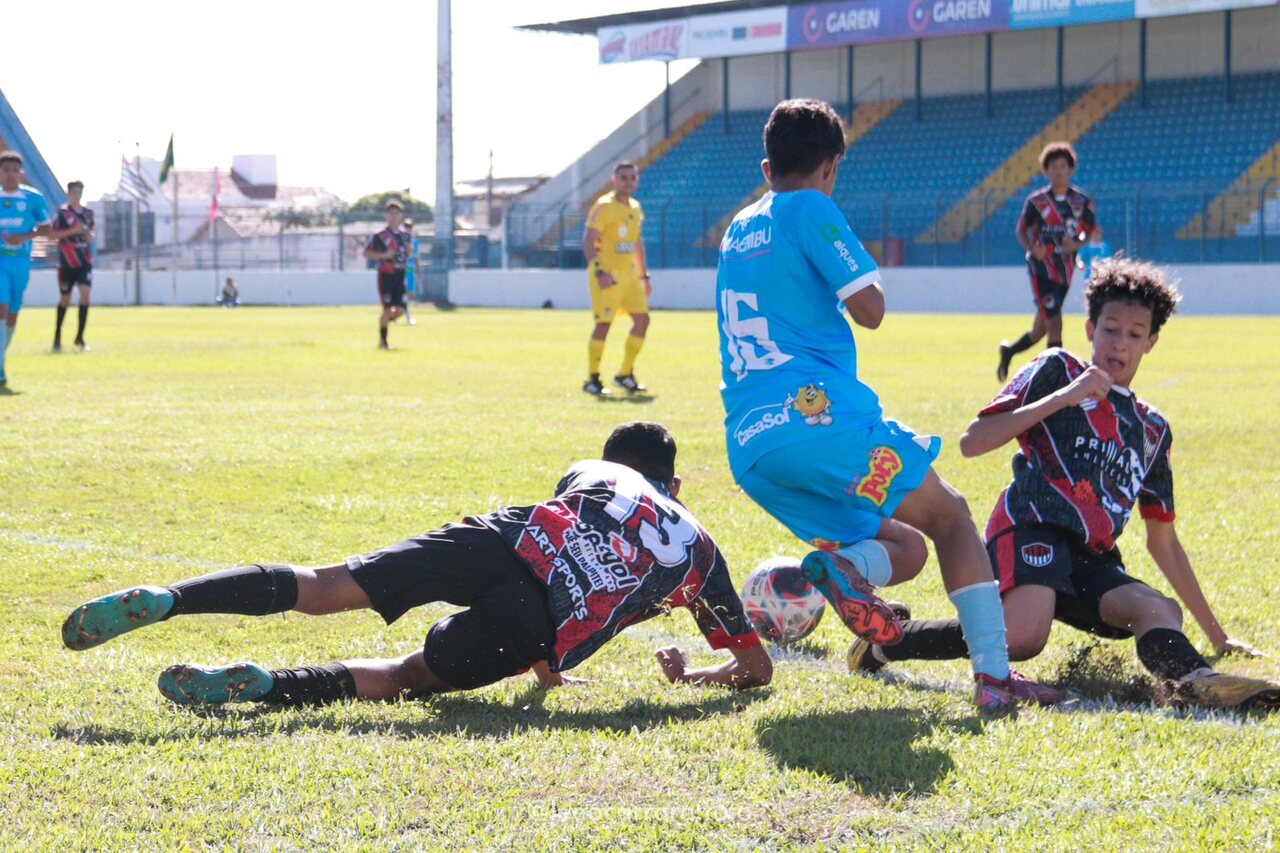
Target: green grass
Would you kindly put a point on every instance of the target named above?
(192, 439)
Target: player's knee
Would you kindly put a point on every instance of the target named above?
(910, 559)
(1025, 644)
(1164, 611)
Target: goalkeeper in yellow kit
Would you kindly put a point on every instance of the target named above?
(619, 276)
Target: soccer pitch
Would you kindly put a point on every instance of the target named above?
(195, 439)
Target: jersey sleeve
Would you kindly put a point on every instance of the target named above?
(1034, 382)
(827, 241)
(719, 613)
(39, 209)
(1088, 217)
(595, 215)
(1155, 500)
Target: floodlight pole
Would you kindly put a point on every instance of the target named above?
(444, 152)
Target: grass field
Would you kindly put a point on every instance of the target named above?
(196, 439)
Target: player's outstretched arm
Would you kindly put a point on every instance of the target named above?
(866, 307)
(990, 432)
(1172, 560)
(750, 667)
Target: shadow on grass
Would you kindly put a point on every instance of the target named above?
(874, 751)
(626, 398)
(456, 714)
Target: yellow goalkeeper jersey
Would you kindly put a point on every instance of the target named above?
(618, 224)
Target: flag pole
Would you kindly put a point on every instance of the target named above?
(175, 237)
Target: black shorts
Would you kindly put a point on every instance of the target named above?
(1046, 555)
(1049, 296)
(507, 627)
(69, 277)
(391, 288)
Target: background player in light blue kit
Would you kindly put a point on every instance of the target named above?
(24, 215)
(807, 440)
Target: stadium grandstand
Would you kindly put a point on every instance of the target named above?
(1174, 110)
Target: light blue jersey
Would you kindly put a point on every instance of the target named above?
(20, 212)
(789, 362)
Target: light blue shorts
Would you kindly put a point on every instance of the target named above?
(834, 490)
(15, 272)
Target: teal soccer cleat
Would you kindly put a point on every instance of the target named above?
(108, 617)
(188, 684)
(855, 601)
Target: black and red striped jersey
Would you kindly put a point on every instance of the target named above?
(395, 240)
(74, 252)
(1046, 220)
(1084, 467)
(614, 549)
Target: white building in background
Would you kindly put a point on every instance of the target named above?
(250, 201)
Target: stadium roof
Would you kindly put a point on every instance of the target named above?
(588, 26)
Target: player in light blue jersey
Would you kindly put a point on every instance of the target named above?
(24, 215)
(808, 440)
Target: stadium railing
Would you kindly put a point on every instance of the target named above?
(1152, 221)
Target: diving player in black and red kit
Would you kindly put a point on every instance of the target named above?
(1089, 451)
(545, 586)
(1056, 222)
(75, 261)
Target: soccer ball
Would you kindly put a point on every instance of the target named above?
(780, 602)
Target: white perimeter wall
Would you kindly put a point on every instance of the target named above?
(1210, 289)
(1217, 289)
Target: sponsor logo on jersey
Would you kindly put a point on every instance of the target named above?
(884, 466)
(827, 545)
(772, 416)
(831, 233)
(749, 242)
(1037, 554)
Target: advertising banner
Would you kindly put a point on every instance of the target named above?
(738, 33)
(663, 40)
(863, 21)
(929, 18)
(1160, 8)
(1029, 14)
(849, 22)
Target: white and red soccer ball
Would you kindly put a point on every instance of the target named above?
(780, 602)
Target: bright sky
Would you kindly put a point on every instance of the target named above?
(342, 93)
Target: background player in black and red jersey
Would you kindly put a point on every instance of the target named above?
(75, 261)
(1056, 222)
(545, 586)
(1089, 450)
(390, 247)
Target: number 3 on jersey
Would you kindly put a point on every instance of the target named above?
(747, 339)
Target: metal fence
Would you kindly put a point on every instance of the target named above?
(1166, 223)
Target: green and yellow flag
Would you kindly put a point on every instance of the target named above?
(168, 161)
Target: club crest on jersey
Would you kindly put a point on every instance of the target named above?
(884, 465)
(813, 403)
(1037, 554)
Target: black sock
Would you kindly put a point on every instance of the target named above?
(84, 318)
(249, 590)
(934, 639)
(1169, 654)
(382, 330)
(311, 685)
(1053, 345)
(1022, 344)
(57, 330)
